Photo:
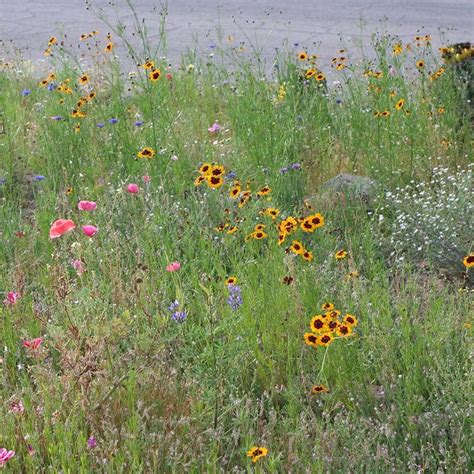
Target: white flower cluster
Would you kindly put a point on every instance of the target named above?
(431, 220)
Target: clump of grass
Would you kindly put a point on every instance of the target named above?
(173, 338)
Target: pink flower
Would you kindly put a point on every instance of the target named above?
(87, 206)
(214, 128)
(12, 298)
(61, 227)
(31, 450)
(89, 230)
(173, 267)
(34, 343)
(5, 455)
(146, 179)
(91, 442)
(77, 264)
(169, 76)
(133, 188)
(17, 407)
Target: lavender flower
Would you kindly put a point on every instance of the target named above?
(56, 118)
(138, 123)
(51, 87)
(91, 442)
(283, 170)
(113, 120)
(234, 300)
(173, 306)
(100, 125)
(25, 92)
(39, 177)
(179, 316)
(296, 166)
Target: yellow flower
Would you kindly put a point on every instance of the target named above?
(257, 452)
(199, 180)
(303, 56)
(311, 339)
(84, 79)
(215, 182)
(148, 65)
(232, 230)
(205, 169)
(399, 105)
(52, 40)
(109, 47)
(350, 320)
(344, 330)
(327, 306)
(318, 324)
(420, 64)
(340, 254)
(297, 247)
(469, 260)
(320, 77)
(232, 280)
(397, 49)
(265, 191)
(307, 255)
(315, 389)
(325, 340)
(155, 74)
(146, 152)
(310, 72)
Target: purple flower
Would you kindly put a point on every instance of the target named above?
(113, 120)
(173, 306)
(283, 170)
(179, 316)
(51, 86)
(39, 177)
(3, 180)
(25, 92)
(234, 300)
(296, 166)
(56, 117)
(138, 123)
(231, 175)
(100, 125)
(91, 442)
(338, 101)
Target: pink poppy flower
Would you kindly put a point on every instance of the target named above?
(133, 188)
(173, 267)
(89, 230)
(12, 298)
(34, 343)
(61, 227)
(5, 455)
(146, 179)
(214, 128)
(87, 206)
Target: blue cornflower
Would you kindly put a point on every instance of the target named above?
(231, 175)
(235, 300)
(296, 166)
(51, 86)
(138, 123)
(3, 180)
(25, 92)
(100, 125)
(179, 316)
(173, 306)
(113, 120)
(56, 117)
(39, 177)
(283, 170)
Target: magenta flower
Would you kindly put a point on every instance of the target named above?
(5, 455)
(133, 188)
(89, 230)
(214, 128)
(12, 298)
(87, 206)
(91, 442)
(78, 266)
(146, 179)
(31, 450)
(34, 343)
(173, 267)
(17, 407)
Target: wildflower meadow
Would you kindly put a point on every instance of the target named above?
(184, 289)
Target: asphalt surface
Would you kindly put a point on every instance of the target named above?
(318, 25)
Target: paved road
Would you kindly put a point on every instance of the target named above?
(316, 24)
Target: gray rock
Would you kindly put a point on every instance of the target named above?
(347, 188)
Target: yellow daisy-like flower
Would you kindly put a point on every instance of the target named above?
(340, 254)
(334, 314)
(297, 247)
(385, 114)
(303, 56)
(399, 105)
(155, 75)
(320, 77)
(259, 235)
(307, 255)
(148, 65)
(215, 182)
(232, 230)
(318, 324)
(52, 40)
(271, 211)
(397, 49)
(325, 340)
(109, 47)
(257, 452)
(232, 280)
(84, 79)
(344, 330)
(290, 224)
(265, 191)
(468, 260)
(327, 306)
(199, 180)
(420, 64)
(69, 190)
(259, 227)
(243, 200)
(217, 170)
(205, 169)
(235, 190)
(146, 152)
(311, 339)
(315, 389)
(350, 320)
(310, 73)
